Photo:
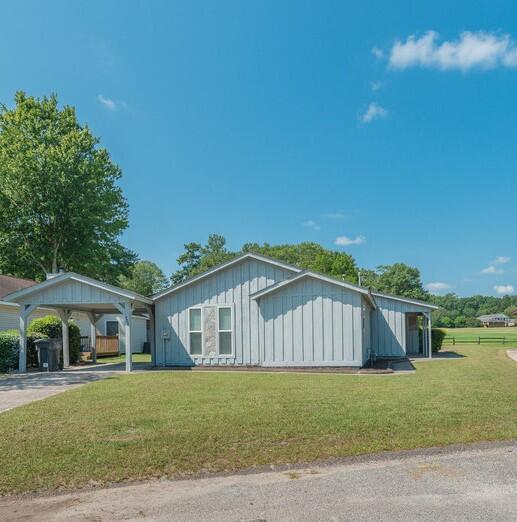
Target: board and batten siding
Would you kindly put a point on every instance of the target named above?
(389, 329)
(312, 323)
(229, 286)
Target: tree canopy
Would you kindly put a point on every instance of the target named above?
(60, 205)
(146, 278)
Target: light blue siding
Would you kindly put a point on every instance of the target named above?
(230, 286)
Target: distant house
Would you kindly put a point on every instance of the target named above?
(109, 324)
(491, 320)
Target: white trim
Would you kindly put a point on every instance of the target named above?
(407, 300)
(200, 308)
(222, 266)
(314, 275)
(231, 331)
(14, 296)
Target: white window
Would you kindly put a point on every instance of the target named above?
(112, 328)
(195, 332)
(225, 330)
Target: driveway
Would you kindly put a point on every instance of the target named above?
(470, 484)
(19, 389)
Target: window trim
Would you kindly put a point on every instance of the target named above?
(196, 331)
(232, 330)
(106, 321)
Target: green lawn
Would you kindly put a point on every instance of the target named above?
(472, 334)
(137, 357)
(179, 423)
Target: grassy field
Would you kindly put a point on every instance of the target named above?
(472, 334)
(180, 423)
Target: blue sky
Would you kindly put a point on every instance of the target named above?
(385, 131)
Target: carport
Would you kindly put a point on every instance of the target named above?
(67, 292)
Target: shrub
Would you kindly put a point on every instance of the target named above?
(437, 338)
(9, 349)
(50, 326)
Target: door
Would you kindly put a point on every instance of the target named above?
(412, 334)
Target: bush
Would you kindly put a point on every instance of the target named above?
(50, 326)
(9, 349)
(437, 338)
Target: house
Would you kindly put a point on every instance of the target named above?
(490, 320)
(108, 325)
(251, 310)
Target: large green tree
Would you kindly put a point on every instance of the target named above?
(397, 279)
(146, 278)
(60, 205)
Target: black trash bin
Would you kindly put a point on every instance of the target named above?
(48, 354)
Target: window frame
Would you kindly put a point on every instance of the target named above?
(231, 331)
(195, 331)
(106, 327)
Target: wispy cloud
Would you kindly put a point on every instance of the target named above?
(504, 289)
(437, 286)
(311, 224)
(491, 269)
(347, 241)
(373, 112)
(335, 215)
(500, 260)
(109, 104)
(375, 86)
(471, 50)
(377, 52)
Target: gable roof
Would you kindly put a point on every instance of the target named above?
(321, 277)
(10, 284)
(222, 266)
(72, 276)
(408, 300)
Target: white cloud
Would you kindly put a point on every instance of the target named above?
(336, 215)
(471, 50)
(437, 286)
(311, 224)
(110, 104)
(378, 53)
(491, 270)
(501, 260)
(375, 86)
(504, 289)
(347, 241)
(373, 112)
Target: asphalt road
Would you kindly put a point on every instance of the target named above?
(470, 484)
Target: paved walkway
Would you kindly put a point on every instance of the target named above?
(512, 354)
(471, 484)
(19, 389)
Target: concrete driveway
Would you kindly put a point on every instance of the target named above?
(19, 389)
(470, 484)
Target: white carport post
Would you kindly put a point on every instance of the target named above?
(22, 355)
(65, 316)
(126, 310)
(430, 336)
(93, 319)
(152, 340)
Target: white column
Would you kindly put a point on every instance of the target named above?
(152, 336)
(65, 315)
(22, 355)
(126, 310)
(430, 341)
(93, 319)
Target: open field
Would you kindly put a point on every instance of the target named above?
(181, 423)
(472, 334)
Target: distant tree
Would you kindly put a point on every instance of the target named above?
(59, 202)
(310, 256)
(197, 258)
(397, 279)
(146, 278)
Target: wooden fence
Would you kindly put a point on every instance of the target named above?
(478, 340)
(106, 345)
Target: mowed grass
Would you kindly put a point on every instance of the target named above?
(182, 423)
(472, 334)
(121, 359)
